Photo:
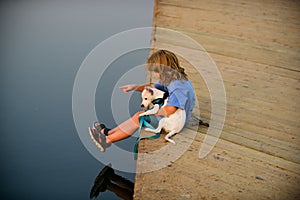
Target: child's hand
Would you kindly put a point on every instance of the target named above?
(128, 88)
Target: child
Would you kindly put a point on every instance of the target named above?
(171, 77)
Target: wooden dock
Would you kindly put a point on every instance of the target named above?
(256, 47)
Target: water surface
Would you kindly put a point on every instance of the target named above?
(42, 46)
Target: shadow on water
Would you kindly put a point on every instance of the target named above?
(107, 179)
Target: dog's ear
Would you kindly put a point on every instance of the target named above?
(149, 90)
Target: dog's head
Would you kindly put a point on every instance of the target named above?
(147, 98)
(150, 94)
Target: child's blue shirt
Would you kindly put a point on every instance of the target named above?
(181, 95)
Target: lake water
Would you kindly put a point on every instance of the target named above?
(43, 44)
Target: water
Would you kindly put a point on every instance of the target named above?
(42, 45)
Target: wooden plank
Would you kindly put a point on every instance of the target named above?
(256, 47)
(229, 172)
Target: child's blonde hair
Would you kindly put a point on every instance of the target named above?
(167, 65)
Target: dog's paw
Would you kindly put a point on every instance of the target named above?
(170, 140)
(142, 114)
(149, 129)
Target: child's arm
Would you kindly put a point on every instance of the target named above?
(136, 87)
(166, 111)
(141, 87)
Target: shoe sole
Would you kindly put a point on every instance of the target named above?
(98, 145)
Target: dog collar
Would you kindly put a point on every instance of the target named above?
(161, 101)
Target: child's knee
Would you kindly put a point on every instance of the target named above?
(136, 116)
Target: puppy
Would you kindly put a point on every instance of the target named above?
(153, 100)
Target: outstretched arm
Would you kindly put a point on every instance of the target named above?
(135, 87)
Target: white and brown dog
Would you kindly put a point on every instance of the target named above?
(153, 100)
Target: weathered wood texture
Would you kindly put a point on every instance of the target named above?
(256, 47)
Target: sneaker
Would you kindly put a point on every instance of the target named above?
(98, 138)
(99, 127)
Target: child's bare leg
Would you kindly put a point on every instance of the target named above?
(124, 130)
